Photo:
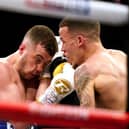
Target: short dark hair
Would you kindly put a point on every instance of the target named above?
(89, 27)
(45, 36)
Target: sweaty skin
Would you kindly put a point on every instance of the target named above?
(100, 77)
(11, 88)
(103, 83)
(15, 88)
(21, 70)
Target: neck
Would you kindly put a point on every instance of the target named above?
(93, 48)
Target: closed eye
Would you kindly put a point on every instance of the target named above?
(39, 59)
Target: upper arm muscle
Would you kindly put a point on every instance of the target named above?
(84, 85)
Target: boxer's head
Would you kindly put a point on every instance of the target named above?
(77, 36)
(36, 51)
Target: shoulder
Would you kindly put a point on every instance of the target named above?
(119, 53)
(6, 70)
(5, 75)
(4, 67)
(82, 72)
(84, 69)
(119, 56)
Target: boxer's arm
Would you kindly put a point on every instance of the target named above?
(44, 84)
(84, 85)
(61, 85)
(45, 79)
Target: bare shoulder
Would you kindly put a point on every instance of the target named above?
(118, 54)
(7, 71)
(120, 58)
(82, 75)
(4, 67)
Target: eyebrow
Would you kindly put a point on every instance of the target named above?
(39, 56)
(44, 59)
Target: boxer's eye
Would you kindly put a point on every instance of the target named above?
(39, 59)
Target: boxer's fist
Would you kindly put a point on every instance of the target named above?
(61, 85)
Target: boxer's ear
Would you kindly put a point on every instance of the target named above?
(81, 40)
(22, 48)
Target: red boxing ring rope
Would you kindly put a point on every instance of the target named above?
(63, 116)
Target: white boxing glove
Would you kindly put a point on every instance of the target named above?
(61, 85)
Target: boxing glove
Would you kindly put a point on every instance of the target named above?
(56, 66)
(61, 85)
(50, 68)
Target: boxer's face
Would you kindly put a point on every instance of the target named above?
(69, 46)
(33, 61)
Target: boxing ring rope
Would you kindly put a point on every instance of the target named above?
(106, 12)
(63, 116)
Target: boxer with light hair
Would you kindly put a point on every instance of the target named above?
(100, 77)
(21, 70)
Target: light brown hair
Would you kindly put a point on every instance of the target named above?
(45, 36)
(91, 29)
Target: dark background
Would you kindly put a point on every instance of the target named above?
(14, 25)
